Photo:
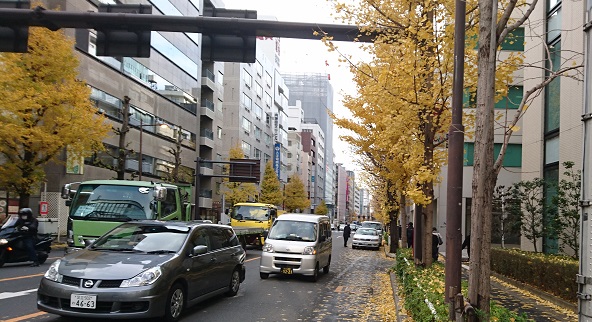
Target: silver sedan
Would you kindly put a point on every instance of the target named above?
(366, 238)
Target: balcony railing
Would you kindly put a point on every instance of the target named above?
(207, 133)
(207, 103)
(208, 73)
(190, 107)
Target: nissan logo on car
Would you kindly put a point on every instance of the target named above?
(88, 283)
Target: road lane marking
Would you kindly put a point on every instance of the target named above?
(25, 317)
(252, 259)
(20, 277)
(7, 295)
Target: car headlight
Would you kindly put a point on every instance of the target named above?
(52, 273)
(267, 248)
(309, 250)
(3, 241)
(147, 277)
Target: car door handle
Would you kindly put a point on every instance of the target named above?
(235, 254)
(213, 259)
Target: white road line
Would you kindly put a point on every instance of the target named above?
(7, 295)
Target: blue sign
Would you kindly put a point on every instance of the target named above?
(277, 156)
(312, 179)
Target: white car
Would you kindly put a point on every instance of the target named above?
(366, 238)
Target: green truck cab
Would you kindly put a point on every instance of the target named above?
(97, 206)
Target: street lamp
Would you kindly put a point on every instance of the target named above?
(140, 157)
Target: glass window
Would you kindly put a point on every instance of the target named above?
(268, 119)
(219, 132)
(554, 25)
(514, 41)
(258, 111)
(268, 79)
(259, 68)
(267, 138)
(552, 91)
(552, 150)
(259, 90)
(258, 133)
(246, 125)
(512, 100)
(220, 78)
(173, 54)
(246, 149)
(258, 154)
(247, 78)
(268, 100)
(512, 158)
(247, 102)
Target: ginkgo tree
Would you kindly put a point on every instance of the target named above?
(295, 195)
(235, 192)
(271, 191)
(44, 110)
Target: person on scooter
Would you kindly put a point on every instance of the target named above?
(28, 225)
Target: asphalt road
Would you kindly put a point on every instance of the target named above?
(341, 295)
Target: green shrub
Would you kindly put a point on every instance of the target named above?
(554, 274)
(418, 284)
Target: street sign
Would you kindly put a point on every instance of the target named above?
(43, 208)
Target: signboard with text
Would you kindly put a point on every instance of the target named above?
(277, 156)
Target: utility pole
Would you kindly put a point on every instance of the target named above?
(455, 167)
(584, 277)
(122, 153)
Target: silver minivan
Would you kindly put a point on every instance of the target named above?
(297, 244)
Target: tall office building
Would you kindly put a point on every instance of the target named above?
(315, 93)
(164, 92)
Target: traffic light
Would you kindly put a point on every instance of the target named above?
(229, 48)
(13, 36)
(121, 41)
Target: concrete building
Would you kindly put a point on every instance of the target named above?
(315, 92)
(341, 189)
(165, 99)
(255, 99)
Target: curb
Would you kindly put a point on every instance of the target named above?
(398, 308)
(542, 294)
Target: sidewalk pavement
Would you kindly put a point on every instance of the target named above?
(538, 305)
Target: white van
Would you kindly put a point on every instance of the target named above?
(297, 244)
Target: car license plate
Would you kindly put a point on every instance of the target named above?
(83, 301)
(287, 270)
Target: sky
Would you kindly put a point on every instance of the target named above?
(300, 55)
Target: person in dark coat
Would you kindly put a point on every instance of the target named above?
(467, 243)
(410, 235)
(28, 225)
(346, 234)
(436, 242)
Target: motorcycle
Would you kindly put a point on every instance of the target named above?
(12, 246)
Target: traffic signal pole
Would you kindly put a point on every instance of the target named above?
(55, 20)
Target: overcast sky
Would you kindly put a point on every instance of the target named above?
(298, 55)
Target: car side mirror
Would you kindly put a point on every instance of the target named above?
(199, 250)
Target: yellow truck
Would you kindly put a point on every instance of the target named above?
(251, 221)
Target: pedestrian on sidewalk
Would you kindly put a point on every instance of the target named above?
(410, 235)
(467, 243)
(346, 234)
(436, 242)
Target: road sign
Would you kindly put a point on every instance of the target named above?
(43, 208)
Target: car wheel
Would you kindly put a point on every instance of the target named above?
(2, 257)
(174, 304)
(326, 268)
(263, 276)
(315, 274)
(234, 283)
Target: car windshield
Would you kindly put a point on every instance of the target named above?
(143, 238)
(258, 213)
(112, 202)
(10, 221)
(293, 230)
(372, 225)
(366, 231)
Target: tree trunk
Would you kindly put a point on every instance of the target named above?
(403, 217)
(122, 152)
(24, 199)
(484, 177)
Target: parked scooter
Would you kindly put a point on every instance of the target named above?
(12, 246)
